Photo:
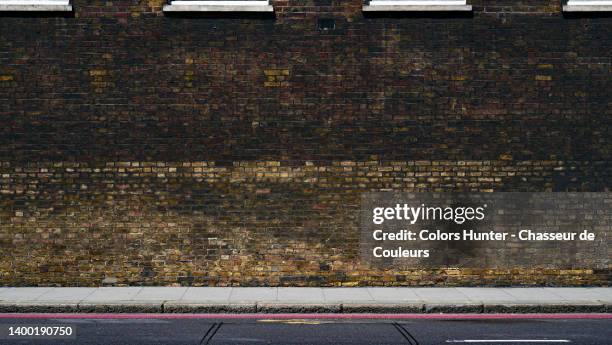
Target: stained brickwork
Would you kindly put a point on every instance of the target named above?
(233, 149)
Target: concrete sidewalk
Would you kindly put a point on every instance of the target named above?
(305, 300)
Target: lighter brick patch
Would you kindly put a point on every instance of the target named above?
(543, 78)
(97, 72)
(276, 77)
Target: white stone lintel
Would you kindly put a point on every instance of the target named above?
(587, 8)
(416, 6)
(219, 6)
(35, 6)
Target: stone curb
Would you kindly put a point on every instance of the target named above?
(120, 308)
(378, 308)
(212, 308)
(298, 308)
(301, 308)
(544, 308)
(38, 308)
(454, 308)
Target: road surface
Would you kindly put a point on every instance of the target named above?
(267, 330)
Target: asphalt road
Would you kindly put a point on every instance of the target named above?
(233, 332)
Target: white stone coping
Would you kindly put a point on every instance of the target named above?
(35, 5)
(588, 6)
(416, 6)
(219, 6)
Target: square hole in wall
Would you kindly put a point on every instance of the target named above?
(325, 24)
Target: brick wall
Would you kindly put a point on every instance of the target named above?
(153, 149)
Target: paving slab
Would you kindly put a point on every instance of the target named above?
(442, 295)
(160, 294)
(66, 295)
(347, 295)
(534, 296)
(206, 294)
(605, 292)
(382, 294)
(247, 294)
(481, 295)
(301, 295)
(25, 294)
(4, 289)
(404, 295)
(112, 295)
(583, 294)
(303, 300)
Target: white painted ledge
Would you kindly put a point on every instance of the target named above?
(573, 8)
(35, 5)
(588, 6)
(219, 6)
(416, 6)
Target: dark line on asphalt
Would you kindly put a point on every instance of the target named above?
(211, 333)
(404, 332)
(207, 332)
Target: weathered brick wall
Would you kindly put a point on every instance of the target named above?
(233, 149)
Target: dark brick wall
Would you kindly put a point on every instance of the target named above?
(233, 149)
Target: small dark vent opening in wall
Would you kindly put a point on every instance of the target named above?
(326, 24)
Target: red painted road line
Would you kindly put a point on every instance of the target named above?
(302, 316)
